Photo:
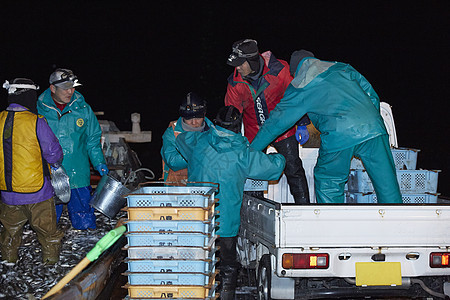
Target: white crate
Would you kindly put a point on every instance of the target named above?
(179, 252)
(410, 181)
(404, 159)
(406, 198)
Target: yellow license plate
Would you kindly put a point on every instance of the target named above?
(378, 273)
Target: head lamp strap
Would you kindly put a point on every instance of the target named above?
(242, 54)
(13, 87)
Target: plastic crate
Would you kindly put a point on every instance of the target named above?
(180, 252)
(170, 213)
(406, 198)
(172, 239)
(172, 292)
(410, 181)
(256, 185)
(170, 265)
(179, 196)
(138, 278)
(170, 226)
(404, 159)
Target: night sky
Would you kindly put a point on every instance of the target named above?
(144, 56)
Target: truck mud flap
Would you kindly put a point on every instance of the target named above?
(282, 288)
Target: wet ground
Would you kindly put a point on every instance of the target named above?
(29, 278)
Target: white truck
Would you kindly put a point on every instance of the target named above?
(344, 251)
(330, 251)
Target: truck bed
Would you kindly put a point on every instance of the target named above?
(357, 225)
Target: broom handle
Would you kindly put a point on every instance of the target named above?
(77, 269)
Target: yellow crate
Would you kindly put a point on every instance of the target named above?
(170, 213)
(167, 291)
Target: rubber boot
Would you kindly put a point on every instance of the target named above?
(295, 174)
(229, 281)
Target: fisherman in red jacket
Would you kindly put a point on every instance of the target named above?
(255, 88)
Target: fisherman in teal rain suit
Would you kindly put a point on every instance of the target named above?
(222, 155)
(192, 118)
(344, 107)
(78, 131)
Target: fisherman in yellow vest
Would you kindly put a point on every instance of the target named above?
(28, 146)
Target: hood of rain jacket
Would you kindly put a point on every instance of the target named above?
(224, 157)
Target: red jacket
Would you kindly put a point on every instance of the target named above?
(257, 99)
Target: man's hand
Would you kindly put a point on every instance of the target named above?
(102, 169)
(302, 134)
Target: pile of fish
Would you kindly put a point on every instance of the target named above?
(29, 278)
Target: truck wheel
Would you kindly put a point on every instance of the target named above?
(264, 278)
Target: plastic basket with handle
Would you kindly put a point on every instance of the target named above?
(406, 198)
(404, 159)
(410, 181)
(178, 252)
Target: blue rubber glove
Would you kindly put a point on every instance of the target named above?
(302, 134)
(102, 169)
(55, 166)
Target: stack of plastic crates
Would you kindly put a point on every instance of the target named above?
(171, 242)
(416, 186)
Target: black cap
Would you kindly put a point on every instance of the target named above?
(241, 51)
(296, 58)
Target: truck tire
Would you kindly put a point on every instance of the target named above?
(264, 278)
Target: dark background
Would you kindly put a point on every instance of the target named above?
(144, 56)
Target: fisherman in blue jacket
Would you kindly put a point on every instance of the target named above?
(222, 155)
(345, 108)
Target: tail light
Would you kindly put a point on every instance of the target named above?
(305, 261)
(439, 259)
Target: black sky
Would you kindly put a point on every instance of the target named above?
(144, 56)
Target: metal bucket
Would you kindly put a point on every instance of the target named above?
(108, 196)
(61, 186)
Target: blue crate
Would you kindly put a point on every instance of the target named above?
(406, 198)
(180, 252)
(255, 185)
(171, 226)
(169, 239)
(170, 265)
(410, 181)
(404, 159)
(175, 196)
(169, 278)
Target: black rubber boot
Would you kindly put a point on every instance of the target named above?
(229, 281)
(228, 267)
(295, 174)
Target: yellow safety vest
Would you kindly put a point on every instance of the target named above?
(21, 161)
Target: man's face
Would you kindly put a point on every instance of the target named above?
(60, 95)
(194, 122)
(244, 69)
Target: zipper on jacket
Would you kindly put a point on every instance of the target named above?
(57, 111)
(61, 115)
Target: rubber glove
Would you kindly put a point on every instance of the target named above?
(55, 166)
(102, 169)
(302, 134)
